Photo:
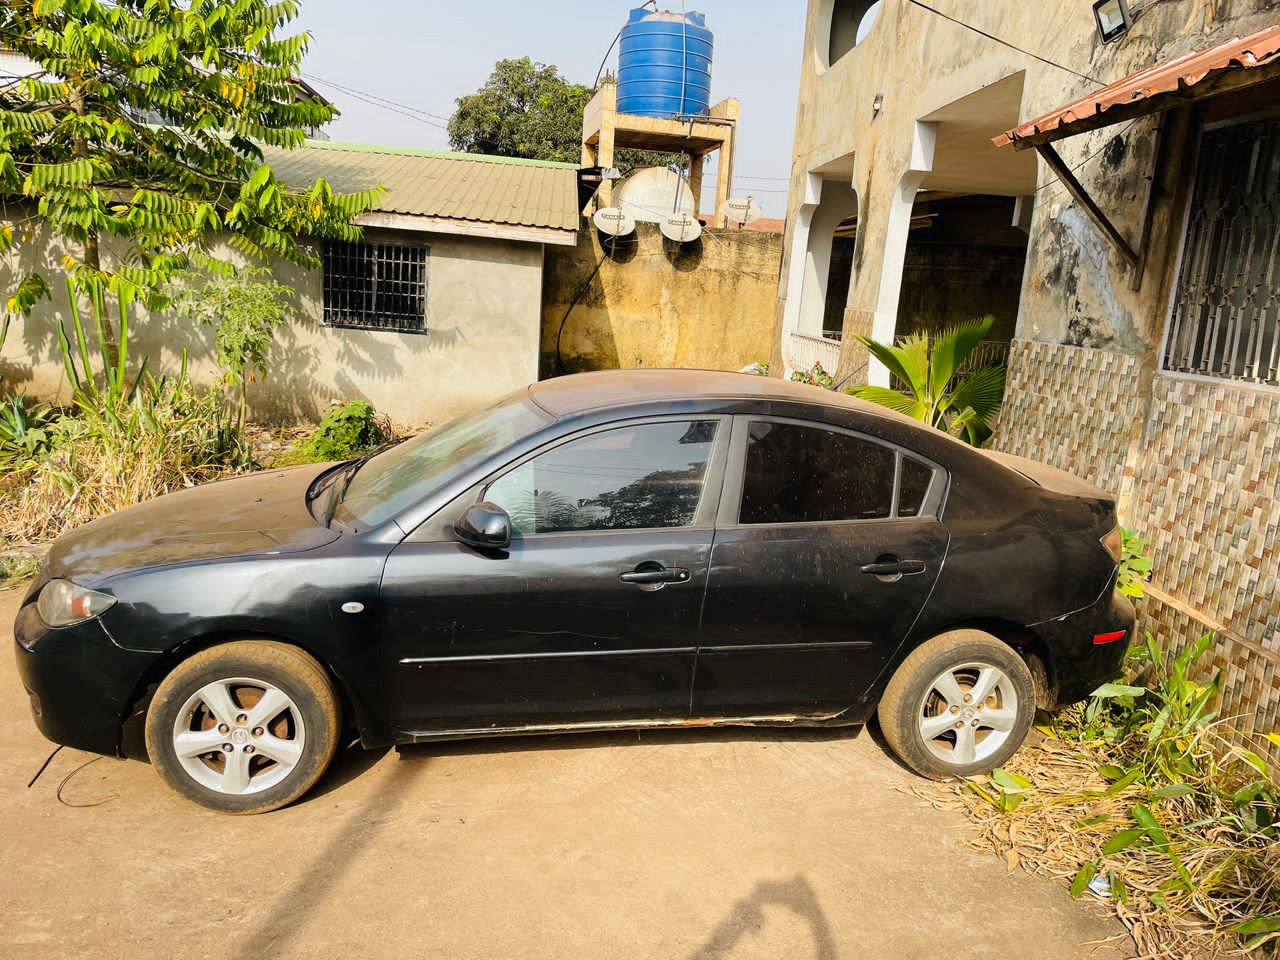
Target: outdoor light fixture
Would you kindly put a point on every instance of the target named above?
(1114, 19)
(877, 104)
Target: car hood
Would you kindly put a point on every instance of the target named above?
(259, 514)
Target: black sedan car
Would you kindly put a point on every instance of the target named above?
(610, 550)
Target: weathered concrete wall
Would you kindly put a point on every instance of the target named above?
(706, 306)
(483, 300)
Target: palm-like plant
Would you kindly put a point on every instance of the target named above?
(928, 365)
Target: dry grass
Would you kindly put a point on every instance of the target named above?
(1072, 810)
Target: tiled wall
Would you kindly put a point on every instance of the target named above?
(1073, 408)
(1198, 467)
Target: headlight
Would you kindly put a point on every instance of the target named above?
(63, 603)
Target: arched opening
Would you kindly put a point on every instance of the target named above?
(851, 21)
(829, 261)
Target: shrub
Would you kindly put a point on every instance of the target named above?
(1135, 566)
(343, 434)
(815, 376)
(24, 432)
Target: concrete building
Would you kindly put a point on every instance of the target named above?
(1127, 246)
(436, 311)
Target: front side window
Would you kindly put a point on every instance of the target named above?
(809, 474)
(376, 286)
(628, 478)
(1226, 310)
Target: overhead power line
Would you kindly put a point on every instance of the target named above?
(1006, 43)
(373, 100)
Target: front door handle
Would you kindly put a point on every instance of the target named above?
(891, 568)
(648, 575)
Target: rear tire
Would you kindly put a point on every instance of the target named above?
(958, 705)
(243, 727)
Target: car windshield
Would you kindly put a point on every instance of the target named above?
(399, 477)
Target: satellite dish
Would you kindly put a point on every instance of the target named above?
(614, 222)
(742, 210)
(652, 193)
(681, 227)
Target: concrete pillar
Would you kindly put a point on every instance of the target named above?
(696, 163)
(893, 257)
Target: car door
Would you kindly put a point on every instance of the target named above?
(827, 546)
(591, 616)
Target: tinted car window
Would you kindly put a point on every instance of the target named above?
(649, 475)
(913, 488)
(797, 474)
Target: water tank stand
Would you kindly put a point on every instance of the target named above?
(605, 131)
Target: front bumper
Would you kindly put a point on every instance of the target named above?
(80, 684)
(1079, 666)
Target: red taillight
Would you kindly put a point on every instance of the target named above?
(1112, 637)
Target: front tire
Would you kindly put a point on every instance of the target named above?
(958, 705)
(243, 727)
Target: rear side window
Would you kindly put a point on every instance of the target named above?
(630, 478)
(798, 474)
(913, 487)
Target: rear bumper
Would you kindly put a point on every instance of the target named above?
(1079, 664)
(79, 683)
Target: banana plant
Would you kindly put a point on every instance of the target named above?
(928, 365)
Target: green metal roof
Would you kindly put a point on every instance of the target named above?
(426, 183)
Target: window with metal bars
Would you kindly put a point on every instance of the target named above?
(1225, 320)
(376, 286)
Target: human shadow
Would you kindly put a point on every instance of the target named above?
(747, 917)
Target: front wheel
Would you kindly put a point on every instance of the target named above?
(243, 727)
(959, 704)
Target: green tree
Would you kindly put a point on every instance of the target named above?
(928, 365)
(527, 109)
(137, 138)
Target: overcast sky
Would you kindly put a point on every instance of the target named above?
(427, 53)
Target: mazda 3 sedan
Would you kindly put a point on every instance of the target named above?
(612, 550)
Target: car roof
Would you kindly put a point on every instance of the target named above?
(583, 392)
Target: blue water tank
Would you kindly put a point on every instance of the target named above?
(664, 64)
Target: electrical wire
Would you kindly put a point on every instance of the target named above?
(600, 73)
(1006, 43)
(421, 116)
(373, 96)
(1091, 157)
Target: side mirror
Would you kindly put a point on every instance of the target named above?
(484, 526)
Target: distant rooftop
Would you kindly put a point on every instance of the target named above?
(458, 188)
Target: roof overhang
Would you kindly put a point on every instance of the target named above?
(469, 228)
(1230, 66)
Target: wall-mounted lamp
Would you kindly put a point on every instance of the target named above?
(877, 104)
(1114, 18)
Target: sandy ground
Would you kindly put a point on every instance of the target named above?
(729, 844)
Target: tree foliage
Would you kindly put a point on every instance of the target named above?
(527, 109)
(138, 136)
(929, 366)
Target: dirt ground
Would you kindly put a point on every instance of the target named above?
(731, 844)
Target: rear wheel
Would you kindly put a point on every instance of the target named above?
(244, 727)
(960, 704)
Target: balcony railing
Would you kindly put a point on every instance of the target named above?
(808, 349)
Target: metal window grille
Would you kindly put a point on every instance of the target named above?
(376, 286)
(1226, 312)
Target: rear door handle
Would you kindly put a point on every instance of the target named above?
(651, 576)
(893, 568)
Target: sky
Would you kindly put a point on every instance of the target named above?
(426, 54)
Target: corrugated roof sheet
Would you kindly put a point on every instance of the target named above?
(459, 186)
(1172, 76)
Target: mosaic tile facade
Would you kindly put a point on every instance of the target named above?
(1197, 465)
(1073, 408)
